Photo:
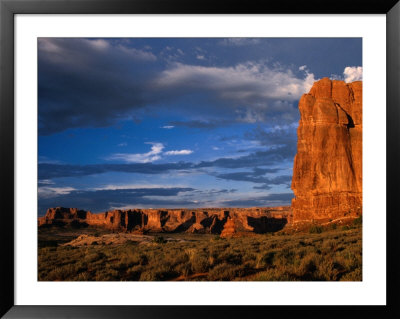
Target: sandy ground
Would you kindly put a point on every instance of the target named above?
(113, 239)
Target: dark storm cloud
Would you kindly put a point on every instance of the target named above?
(259, 158)
(89, 83)
(49, 171)
(278, 135)
(269, 200)
(102, 200)
(215, 191)
(256, 176)
(96, 83)
(200, 124)
(240, 41)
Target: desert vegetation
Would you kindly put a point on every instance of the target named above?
(320, 253)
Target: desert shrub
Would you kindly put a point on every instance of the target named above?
(333, 226)
(130, 259)
(266, 259)
(159, 274)
(315, 229)
(159, 240)
(249, 259)
(355, 275)
(83, 276)
(143, 259)
(147, 275)
(225, 272)
(184, 269)
(302, 243)
(329, 245)
(92, 257)
(107, 275)
(134, 273)
(284, 257)
(231, 258)
(350, 261)
(307, 267)
(47, 250)
(273, 275)
(199, 262)
(176, 257)
(328, 269)
(64, 272)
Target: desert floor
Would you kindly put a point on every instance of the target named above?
(90, 254)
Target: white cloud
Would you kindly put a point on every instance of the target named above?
(303, 67)
(171, 54)
(47, 45)
(239, 41)
(168, 127)
(244, 83)
(137, 54)
(134, 186)
(352, 73)
(336, 77)
(72, 52)
(122, 144)
(98, 44)
(250, 116)
(153, 155)
(181, 152)
(47, 192)
(46, 160)
(200, 57)
(46, 182)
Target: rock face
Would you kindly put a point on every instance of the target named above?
(327, 172)
(211, 221)
(57, 216)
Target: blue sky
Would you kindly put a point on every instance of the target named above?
(169, 122)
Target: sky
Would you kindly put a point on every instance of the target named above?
(176, 122)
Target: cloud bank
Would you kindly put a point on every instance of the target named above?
(352, 73)
(97, 83)
(102, 200)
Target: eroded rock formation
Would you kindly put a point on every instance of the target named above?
(327, 172)
(212, 220)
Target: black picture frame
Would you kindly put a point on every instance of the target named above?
(8, 8)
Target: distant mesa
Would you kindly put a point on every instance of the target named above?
(327, 172)
(226, 221)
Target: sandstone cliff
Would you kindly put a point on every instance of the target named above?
(211, 220)
(327, 172)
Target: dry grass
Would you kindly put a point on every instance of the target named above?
(323, 254)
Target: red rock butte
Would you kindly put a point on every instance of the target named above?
(327, 172)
